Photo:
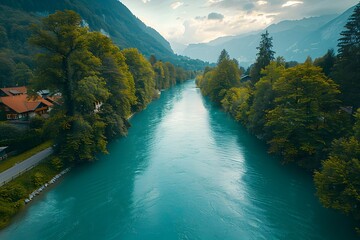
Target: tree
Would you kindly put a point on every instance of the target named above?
(113, 68)
(301, 124)
(347, 68)
(264, 56)
(22, 74)
(143, 75)
(65, 59)
(226, 75)
(236, 102)
(264, 95)
(338, 181)
(172, 73)
(7, 68)
(326, 62)
(159, 75)
(70, 63)
(224, 55)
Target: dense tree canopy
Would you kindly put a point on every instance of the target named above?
(338, 182)
(100, 85)
(300, 121)
(143, 75)
(264, 96)
(217, 81)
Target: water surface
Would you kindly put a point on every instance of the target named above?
(185, 171)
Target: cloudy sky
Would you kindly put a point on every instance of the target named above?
(194, 21)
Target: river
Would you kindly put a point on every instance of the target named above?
(186, 170)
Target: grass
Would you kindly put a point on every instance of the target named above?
(11, 161)
(13, 194)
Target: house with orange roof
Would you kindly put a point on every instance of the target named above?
(17, 105)
(12, 91)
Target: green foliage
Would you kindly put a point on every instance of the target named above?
(113, 69)
(36, 122)
(338, 182)
(76, 63)
(125, 29)
(326, 62)
(159, 75)
(217, 81)
(264, 57)
(224, 55)
(347, 68)
(57, 163)
(300, 125)
(143, 75)
(236, 102)
(264, 96)
(8, 131)
(12, 193)
(15, 60)
(38, 179)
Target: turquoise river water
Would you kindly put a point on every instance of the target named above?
(185, 171)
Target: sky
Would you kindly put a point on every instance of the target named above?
(197, 21)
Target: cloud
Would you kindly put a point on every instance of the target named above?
(249, 6)
(174, 5)
(215, 16)
(291, 3)
(203, 29)
(201, 18)
(146, 1)
(262, 2)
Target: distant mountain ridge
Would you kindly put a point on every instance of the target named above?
(108, 16)
(293, 39)
(114, 19)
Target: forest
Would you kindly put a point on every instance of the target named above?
(99, 87)
(307, 113)
(87, 70)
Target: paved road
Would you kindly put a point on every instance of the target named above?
(24, 166)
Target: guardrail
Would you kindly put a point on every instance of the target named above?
(18, 174)
(20, 168)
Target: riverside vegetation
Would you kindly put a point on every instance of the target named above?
(87, 69)
(302, 111)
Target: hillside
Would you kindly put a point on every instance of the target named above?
(110, 17)
(295, 40)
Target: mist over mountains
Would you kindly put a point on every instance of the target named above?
(293, 39)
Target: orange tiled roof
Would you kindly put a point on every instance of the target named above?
(22, 104)
(20, 90)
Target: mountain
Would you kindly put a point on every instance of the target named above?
(293, 39)
(324, 37)
(112, 18)
(108, 16)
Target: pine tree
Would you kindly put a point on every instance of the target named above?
(224, 55)
(347, 73)
(264, 56)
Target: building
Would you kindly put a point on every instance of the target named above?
(13, 91)
(17, 105)
(3, 154)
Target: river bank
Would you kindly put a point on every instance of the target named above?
(175, 176)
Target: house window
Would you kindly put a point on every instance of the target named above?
(8, 116)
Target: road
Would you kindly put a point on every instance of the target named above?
(24, 166)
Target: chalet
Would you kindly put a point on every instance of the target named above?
(13, 91)
(17, 105)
